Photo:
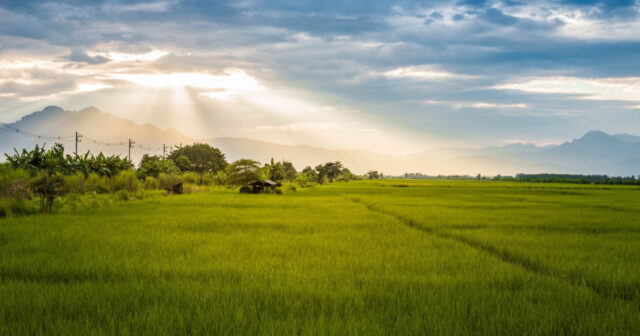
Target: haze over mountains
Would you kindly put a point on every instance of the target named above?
(594, 153)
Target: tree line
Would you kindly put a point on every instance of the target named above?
(46, 174)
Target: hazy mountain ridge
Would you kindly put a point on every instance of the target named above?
(594, 153)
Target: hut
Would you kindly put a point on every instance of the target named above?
(261, 186)
(176, 189)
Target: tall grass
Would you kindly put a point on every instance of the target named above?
(367, 258)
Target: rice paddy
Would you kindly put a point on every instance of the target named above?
(366, 258)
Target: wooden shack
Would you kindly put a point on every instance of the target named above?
(176, 188)
(260, 186)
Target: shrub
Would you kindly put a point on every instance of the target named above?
(48, 186)
(20, 206)
(191, 177)
(126, 180)
(13, 181)
(151, 183)
(168, 181)
(97, 183)
(75, 184)
(19, 188)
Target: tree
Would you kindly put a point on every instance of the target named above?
(333, 170)
(243, 171)
(373, 174)
(274, 171)
(289, 171)
(183, 163)
(48, 185)
(153, 165)
(321, 173)
(202, 158)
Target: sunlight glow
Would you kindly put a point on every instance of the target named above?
(234, 82)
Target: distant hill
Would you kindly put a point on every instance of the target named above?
(594, 153)
(93, 125)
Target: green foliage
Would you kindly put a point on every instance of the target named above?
(98, 184)
(151, 183)
(274, 171)
(290, 172)
(373, 175)
(48, 185)
(14, 182)
(55, 161)
(243, 171)
(183, 163)
(153, 165)
(191, 177)
(307, 178)
(202, 158)
(168, 181)
(75, 184)
(126, 181)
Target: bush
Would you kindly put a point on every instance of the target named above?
(96, 183)
(20, 206)
(191, 177)
(168, 181)
(75, 184)
(126, 180)
(13, 181)
(151, 183)
(48, 186)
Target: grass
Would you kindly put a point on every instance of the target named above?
(383, 257)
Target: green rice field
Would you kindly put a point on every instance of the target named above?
(387, 257)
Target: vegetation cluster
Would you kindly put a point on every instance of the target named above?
(48, 180)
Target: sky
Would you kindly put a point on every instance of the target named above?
(393, 77)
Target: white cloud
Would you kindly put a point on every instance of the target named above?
(422, 72)
(479, 105)
(625, 89)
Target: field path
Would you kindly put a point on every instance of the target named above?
(503, 255)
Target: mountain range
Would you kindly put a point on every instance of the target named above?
(595, 152)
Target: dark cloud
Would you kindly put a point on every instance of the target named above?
(81, 57)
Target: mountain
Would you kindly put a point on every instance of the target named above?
(97, 129)
(628, 138)
(594, 153)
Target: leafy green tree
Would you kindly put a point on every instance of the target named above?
(274, 171)
(321, 173)
(373, 175)
(48, 185)
(290, 172)
(202, 158)
(153, 165)
(183, 163)
(243, 171)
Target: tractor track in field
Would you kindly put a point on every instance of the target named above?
(504, 256)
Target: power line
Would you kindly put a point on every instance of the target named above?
(77, 138)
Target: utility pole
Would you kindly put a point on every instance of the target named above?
(131, 143)
(164, 149)
(78, 136)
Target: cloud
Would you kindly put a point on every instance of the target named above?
(422, 72)
(625, 89)
(80, 56)
(480, 58)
